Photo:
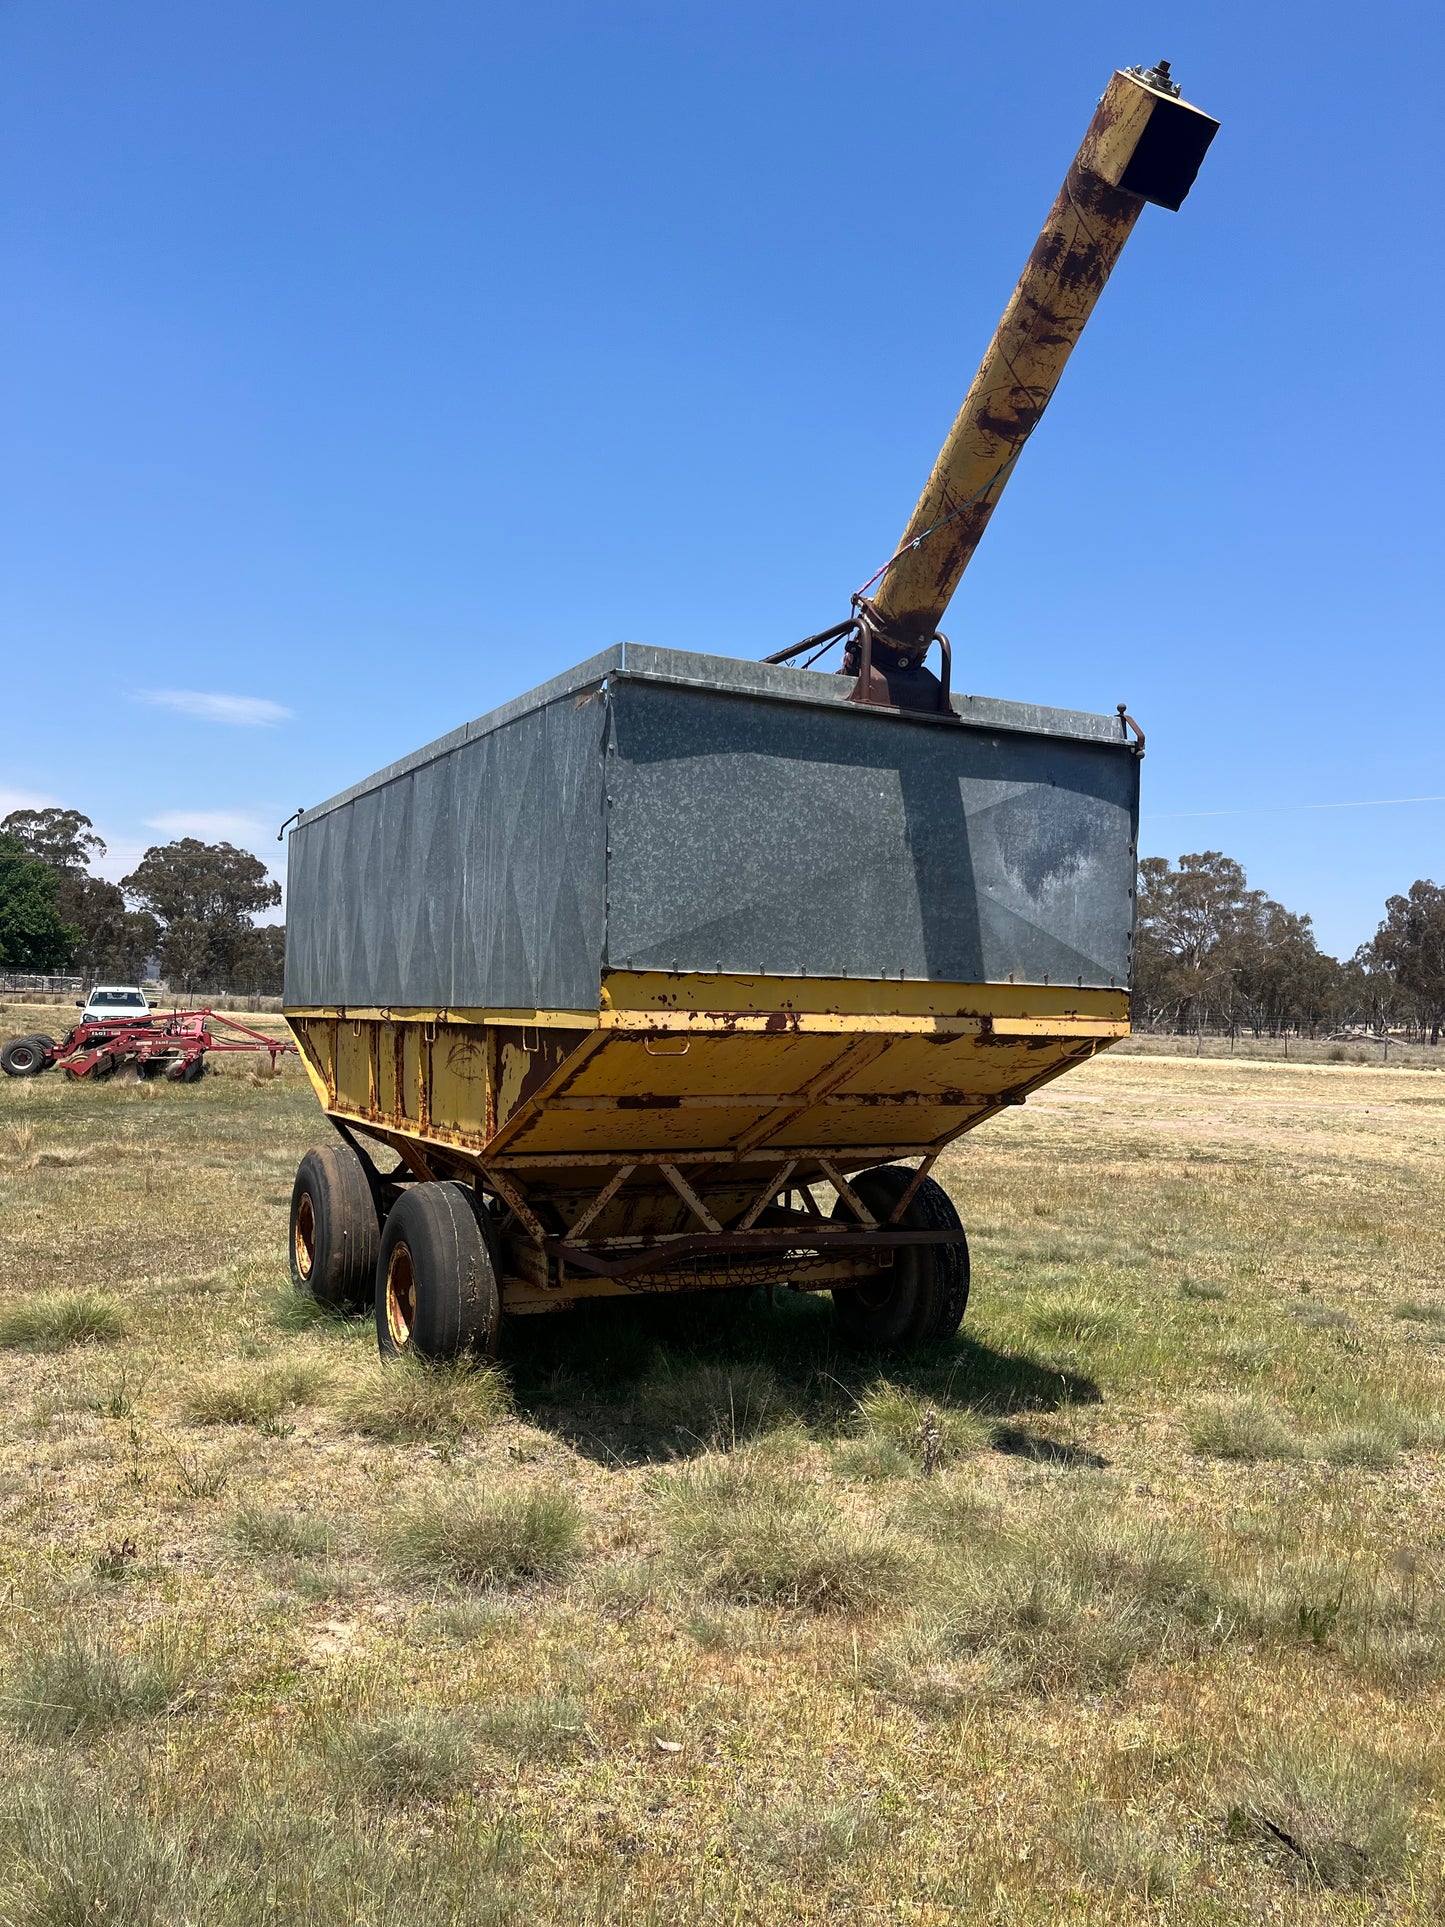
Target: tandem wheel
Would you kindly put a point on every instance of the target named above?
(436, 1280)
(26, 1056)
(923, 1298)
(335, 1229)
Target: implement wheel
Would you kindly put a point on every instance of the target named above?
(436, 1283)
(25, 1056)
(335, 1228)
(923, 1298)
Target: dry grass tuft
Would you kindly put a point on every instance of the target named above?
(283, 1535)
(1077, 1321)
(756, 1536)
(1205, 1290)
(71, 1853)
(542, 1726)
(713, 1404)
(83, 1687)
(258, 1396)
(1325, 1811)
(412, 1400)
(417, 1754)
(927, 1434)
(1420, 1314)
(802, 1841)
(1243, 1428)
(1127, 1853)
(1372, 1446)
(51, 1321)
(1053, 1605)
(485, 1540)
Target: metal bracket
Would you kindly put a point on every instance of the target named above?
(689, 1197)
(849, 1196)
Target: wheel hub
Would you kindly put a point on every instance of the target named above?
(400, 1296)
(303, 1238)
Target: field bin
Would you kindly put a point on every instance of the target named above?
(649, 958)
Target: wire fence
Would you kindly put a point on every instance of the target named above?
(1364, 1048)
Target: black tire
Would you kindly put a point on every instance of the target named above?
(335, 1229)
(436, 1281)
(25, 1056)
(923, 1298)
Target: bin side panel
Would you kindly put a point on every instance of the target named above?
(754, 836)
(474, 881)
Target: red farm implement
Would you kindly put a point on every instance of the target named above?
(171, 1044)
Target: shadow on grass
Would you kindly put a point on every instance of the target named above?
(614, 1378)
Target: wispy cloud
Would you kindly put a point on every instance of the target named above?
(211, 826)
(208, 706)
(23, 800)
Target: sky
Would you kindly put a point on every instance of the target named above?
(363, 365)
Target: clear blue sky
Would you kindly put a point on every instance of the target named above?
(375, 362)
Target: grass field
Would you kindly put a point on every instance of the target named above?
(1126, 1606)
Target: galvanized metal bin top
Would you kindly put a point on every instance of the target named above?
(657, 810)
(729, 675)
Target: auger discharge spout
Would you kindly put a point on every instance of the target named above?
(1143, 144)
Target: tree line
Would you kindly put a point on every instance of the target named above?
(1212, 954)
(187, 904)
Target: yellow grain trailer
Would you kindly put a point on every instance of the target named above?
(625, 974)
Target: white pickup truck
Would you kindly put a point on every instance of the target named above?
(115, 1004)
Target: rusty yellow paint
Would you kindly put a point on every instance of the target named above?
(706, 1068)
(887, 997)
(1076, 252)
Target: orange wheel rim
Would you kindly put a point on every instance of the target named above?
(400, 1297)
(303, 1238)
